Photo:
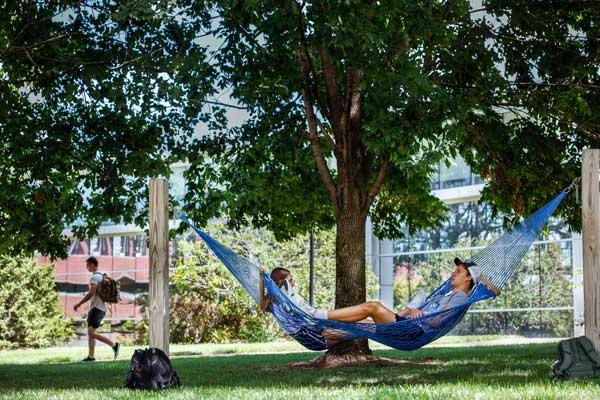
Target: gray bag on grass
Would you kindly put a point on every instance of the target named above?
(577, 358)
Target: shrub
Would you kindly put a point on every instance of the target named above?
(30, 314)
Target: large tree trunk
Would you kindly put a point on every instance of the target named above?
(350, 283)
(350, 288)
(350, 259)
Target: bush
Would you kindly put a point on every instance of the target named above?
(208, 305)
(30, 314)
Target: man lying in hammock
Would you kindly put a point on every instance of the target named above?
(464, 277)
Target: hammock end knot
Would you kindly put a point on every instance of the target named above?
(487, 282)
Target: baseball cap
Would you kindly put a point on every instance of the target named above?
(473, 269)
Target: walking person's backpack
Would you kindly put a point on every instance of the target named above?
(151, 369)
(576, 358)
(109, 290)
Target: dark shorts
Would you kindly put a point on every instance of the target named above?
(94, 318)
(399, 318)
(415, 334)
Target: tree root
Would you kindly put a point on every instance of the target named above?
(327, 361)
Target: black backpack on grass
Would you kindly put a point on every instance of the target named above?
(108, 289)
(151, 369)
(577, 358)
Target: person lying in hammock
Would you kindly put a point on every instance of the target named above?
(464, 277)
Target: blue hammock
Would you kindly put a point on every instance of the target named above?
(498, 262)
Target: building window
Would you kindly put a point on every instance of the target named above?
(457, 174)
(80, 248)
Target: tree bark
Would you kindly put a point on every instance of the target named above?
(350, 259)
(350, 288)
(350, 281)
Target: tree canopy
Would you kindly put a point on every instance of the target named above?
(370, 95)
(95, 97)
(550, 54)
(353, 104)
(350, 107)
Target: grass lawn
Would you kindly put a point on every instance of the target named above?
(224, 372)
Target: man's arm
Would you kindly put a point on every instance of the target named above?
(87, 297)
(265, 302)
(411, 313)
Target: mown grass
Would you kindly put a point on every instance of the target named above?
(72, 354)
(497, 372)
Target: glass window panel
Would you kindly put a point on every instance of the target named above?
(140, 244)
(94, 247)
(128, 246)
(106, 245)
(455, 175)
(118, 246)
(435, 178)
(80, 247)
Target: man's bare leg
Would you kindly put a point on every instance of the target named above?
(104, 339)
(91, 341)
(371, 309)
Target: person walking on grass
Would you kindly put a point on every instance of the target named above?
(96, 312)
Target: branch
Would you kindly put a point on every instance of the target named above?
(27, 25)
(218, 103)
(336, 106)
(51, 39)
(251, 38)
(26, 49)
(355, 101)
(557, 85)
(301, 27)
(377, 184)
(137, 58)
(315, 146)
(312, 133)
(401, 49)
(29, 57)
(327, 136)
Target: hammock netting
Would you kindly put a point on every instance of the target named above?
(498, 262)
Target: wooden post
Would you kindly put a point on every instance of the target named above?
(159, 264)
(590, 197)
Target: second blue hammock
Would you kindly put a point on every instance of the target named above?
(498, 262)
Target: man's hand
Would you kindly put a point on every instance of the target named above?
(76, 306)
(414, 313)
(261, 269)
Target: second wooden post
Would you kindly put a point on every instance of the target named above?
(591, 243)
(159, 264)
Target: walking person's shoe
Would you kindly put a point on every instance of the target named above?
(116, 349)
(88, 359)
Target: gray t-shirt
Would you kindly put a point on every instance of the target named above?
(96, 301)
(444, 301)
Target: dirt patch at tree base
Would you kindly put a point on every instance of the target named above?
(327, 361)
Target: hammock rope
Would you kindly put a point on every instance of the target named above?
(498, 262)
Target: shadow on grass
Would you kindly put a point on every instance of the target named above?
(502, 365)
